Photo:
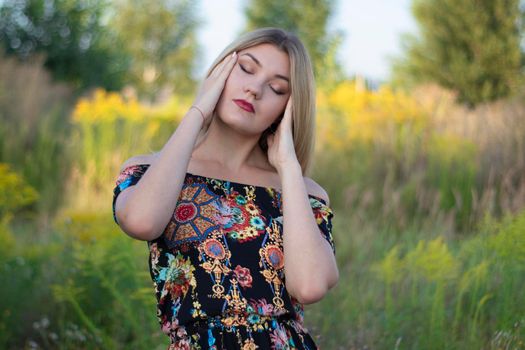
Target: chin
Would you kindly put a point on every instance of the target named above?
(230, 116)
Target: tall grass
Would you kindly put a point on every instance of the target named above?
(428, 200)
(34, 129)
(415, 291)
(420, 158)
(86, 286)
(399, 156)
(108, 129)
(420, 291)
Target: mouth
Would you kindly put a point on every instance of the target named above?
(247, 106)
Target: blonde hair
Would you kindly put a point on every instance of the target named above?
(302, 85)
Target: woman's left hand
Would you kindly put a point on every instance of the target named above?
(281, 150)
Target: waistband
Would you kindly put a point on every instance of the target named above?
(251, 321)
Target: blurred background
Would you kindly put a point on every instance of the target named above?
(420, 145)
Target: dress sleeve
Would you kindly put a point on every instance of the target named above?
(127, 177)
(323, 215)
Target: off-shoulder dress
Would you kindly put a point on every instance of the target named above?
(218, 267)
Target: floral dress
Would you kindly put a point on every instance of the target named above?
(218, 267)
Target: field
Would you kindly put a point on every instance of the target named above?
(429, 220)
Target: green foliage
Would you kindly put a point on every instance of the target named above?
(86, 272)
(34, 129)
(406, 281)
(405, 178)
(14, 191)
(452, 171)
(431, 261)
(109, 129)
(97, 43)
(160, 37)
(308, 19)
(509, 244)
(77, 46)
(464, 289)
(471, 47)
(384, 300)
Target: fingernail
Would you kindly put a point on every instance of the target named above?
(234, 53)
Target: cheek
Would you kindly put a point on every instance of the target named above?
(228, 92)
(274, 110)
(278, 106)
(234, 78)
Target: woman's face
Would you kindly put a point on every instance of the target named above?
(260, 78)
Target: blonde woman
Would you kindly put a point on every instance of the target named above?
(239, 238)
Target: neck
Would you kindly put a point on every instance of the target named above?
(229, 149)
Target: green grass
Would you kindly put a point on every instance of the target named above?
(427, 257)
(420, 291)
(86, 285)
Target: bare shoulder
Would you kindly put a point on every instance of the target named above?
(140, 159)
(315, 189)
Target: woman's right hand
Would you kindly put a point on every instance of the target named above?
(212, 86)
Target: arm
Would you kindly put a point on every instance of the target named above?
(310, 268)
(309, 262)
(143, 211)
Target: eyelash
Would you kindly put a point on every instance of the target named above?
(244, 70)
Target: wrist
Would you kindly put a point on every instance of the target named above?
(199, 111)
(291, 166)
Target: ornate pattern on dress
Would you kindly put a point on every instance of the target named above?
(195, 216)
(218, 267)
(272, 263)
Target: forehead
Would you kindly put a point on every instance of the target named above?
(270, 57)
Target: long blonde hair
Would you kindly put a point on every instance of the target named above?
(302, 86)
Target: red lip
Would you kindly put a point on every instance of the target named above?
(247, 106)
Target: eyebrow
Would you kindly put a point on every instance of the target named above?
(260, 65)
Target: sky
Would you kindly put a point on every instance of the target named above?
(371, 28)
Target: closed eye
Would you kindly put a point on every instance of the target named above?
(240, 65)
(276, 91)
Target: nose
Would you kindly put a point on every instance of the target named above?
(253, 88)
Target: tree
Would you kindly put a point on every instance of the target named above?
(471, 47)
(70, 33)
(308, 19)
(160, 37)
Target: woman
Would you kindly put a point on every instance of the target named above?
(239, 240)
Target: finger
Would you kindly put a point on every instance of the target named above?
(287, 118)
(289, 105)
(228, 60)
(229, 66)
(218, 68)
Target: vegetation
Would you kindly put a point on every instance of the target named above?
(149, 45)
(161, 41)
(471, 47)
(77, 47)
(429, 215)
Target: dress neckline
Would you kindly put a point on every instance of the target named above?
(274, 189)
